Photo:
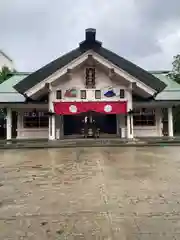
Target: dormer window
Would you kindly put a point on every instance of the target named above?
(90, 77)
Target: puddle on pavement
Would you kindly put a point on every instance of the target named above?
(89, 193)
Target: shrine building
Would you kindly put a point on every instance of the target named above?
(91, 82)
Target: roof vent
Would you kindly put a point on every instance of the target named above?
(91, 35)
(90, 41)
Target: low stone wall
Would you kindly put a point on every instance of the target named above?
(32, 133)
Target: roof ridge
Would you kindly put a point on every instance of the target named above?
(21, 73)
(159, 71)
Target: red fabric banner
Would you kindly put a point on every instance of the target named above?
(72, 108)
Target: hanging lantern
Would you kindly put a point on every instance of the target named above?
(50, 113)
(34, 113)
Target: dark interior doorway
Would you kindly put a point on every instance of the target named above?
(2, 127)
(73, 124)
(14, 124)
(105, 122)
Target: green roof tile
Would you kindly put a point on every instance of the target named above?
(7, 91)
(172, 90)
(9, 94)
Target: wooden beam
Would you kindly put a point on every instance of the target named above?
(69, 73)
(111, 73)
(90, 61)
(132, 86)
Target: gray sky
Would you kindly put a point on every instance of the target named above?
(34, 32)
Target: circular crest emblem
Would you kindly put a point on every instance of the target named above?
(73, 109)
(108, 108)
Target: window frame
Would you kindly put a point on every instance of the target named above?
(87, 76)
(144, 117)
(41, 120)
(121, 96)
(83, 92)
(59, 91)
(98, 92)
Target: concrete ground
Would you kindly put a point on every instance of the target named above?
(90, 193)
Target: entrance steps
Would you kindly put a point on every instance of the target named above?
(100, 142)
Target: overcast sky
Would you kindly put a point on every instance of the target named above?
(34, 32)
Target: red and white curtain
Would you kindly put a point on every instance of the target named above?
(72, 108)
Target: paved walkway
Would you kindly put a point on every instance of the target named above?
(90, 142)
(90, 193)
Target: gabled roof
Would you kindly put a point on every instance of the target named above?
(172, 90)
(90, 43)
(9, 94)
(7, 91)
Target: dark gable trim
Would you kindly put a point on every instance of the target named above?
(90, 43)
(47, 70)
(134, 70)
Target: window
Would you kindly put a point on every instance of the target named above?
(83, 94)
(121, 93)
(58, 94)
(90, 77)
(98, 94)
(36, 119)
(144, 117)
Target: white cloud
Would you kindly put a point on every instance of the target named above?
(35, 32)
(168, 41)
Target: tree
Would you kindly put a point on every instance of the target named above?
(175, 73)
(5, 73)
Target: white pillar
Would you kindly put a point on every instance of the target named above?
(52, 121)
(9, 124)
(19, 123)
(159, 122)
(170, 122)
(53, 127)
(18, 120)
(128, 127)
(57, 123)
(122, 125)
(61, 127)
(117, 125)
(129, 108)
(50, 127)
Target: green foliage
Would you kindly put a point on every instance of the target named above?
(5, 73)
(175, 73)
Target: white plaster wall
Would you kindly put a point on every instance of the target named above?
(5, 62)
(78, 81)
(144, 131)
(32, 133)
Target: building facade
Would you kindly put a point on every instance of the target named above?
(90, 82)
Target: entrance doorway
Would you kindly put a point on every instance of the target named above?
(106, 123)
(14, 124)
(73, 125)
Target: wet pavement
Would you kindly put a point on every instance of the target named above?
(90, 193)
